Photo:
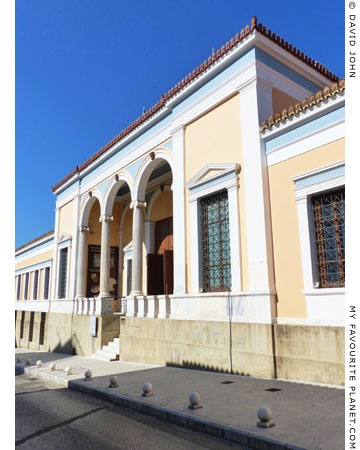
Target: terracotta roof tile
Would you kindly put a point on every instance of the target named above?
(194, 74)
(291, 110)
(49, 233)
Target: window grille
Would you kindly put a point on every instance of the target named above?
(18, 290)
(216, 263)
(22, 323)
(329, 236)
(36, 282)
(26, 286)
(46, 283)
(31, 327)
(62, 273)
(42, 328)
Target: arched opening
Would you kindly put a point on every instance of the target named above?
(159, 247)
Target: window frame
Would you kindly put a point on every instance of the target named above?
(61, 248)
(323, 304)
(226, 178)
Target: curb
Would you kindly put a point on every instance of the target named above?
(220, 431)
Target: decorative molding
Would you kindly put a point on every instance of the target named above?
(223, 168)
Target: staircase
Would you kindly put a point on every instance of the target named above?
(109, 352)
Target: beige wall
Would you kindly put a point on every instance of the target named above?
(66, 218)
(216, 138)
(163, 206)
(34, 260)
(285, 226)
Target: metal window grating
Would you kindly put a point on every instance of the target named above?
(46, 283)
(36, 283)
(22, 323)
(329, 235)
(216, 261)
(63, 273)
(26, 286)
(18, 291)
(42, 328)
(31, 326)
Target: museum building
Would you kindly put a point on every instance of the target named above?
(210, 232)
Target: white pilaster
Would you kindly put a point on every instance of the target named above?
(179, 211)
(137, 253)
(234, 228)
(149, 244)
(120, 270)
(80, 285)
(74, 249)
(195, 236)
(257, 204)
(105, 256)
(55, 253)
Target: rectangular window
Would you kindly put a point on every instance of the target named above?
(22, 323)
(31, 326)
(62, 273)
(128, 276)
(18, 289)
(42, 328)
(46, 283)
(36, 284)
(216, 262)
(329, 236)
(26, 288)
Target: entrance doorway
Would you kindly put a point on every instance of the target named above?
(93, 273)
(160, 264)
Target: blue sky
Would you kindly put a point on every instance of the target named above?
(85, 69)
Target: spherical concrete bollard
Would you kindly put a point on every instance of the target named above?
(147, 390)
(114, 382)
(28, 362)
(88, 375)
(67, 370)
(38, 363)
(265, 415)
(18, 360)
(52, 366)
(194, 399)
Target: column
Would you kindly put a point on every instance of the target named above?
(120, 270)
(80, 287)
(178, 188)
(105, 256)
(75, 246)
(54, 274)
(137, 262)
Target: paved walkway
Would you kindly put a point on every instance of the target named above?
(306, 416)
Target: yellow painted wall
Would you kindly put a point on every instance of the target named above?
(34, 260)
(66, 218)
(163, 206)
(216, 138)
(285, 226)
(281, 100)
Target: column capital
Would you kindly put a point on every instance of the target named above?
(106, 218)
(137, 204)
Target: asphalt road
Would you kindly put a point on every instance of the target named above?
(48, 417)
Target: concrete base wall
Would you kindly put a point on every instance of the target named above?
(304, 353)
(310, 353)
(198, 344)
(67, 333)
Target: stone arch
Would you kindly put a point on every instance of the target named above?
(112, 189)
(145, 170)
(87, 205)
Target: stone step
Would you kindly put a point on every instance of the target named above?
(109, 352)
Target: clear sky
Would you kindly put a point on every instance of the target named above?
(84, 69)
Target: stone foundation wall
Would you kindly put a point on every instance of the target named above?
(198, 344)
(310, 353)
(67, 333)
(303, 353)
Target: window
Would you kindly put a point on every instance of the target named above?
(329, 238)
(46, 283)
(22, 323)
(36, 284)
(18, 289)
(216, 261)
(26, 286)
(31, 326)
(42, 328)
(62, 273)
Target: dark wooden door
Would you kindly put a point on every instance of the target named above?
(160, 265)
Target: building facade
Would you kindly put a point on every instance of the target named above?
(210, 232)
